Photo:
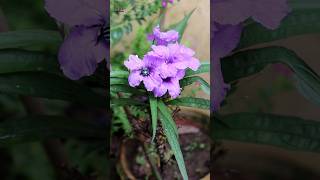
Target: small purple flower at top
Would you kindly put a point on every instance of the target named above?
(143, 70)
(171, 85)
(172, 58)
(163, 38)
(165, 2)
(86, 45)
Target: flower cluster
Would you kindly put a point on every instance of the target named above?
(163, 66)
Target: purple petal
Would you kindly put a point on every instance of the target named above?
(194, 64)
(160, 90)
(133, 63)
(163, 38)
(225, 39)
(180, 74)
(78, 12)
(268, 12)
(135, 78)
(173, 88)
(167, 70)
(152, 81)
(80, 52)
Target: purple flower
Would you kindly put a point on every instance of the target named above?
(143, 70)
(86, 45)
(227, 27)
(171, 85)
(163, 38)
(172, 58)
(165, 2)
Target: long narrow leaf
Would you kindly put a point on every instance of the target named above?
(204, 68)
(169, 130)
(190, 102)
(298, 22)
(13, 60)
(38, 128)
(27, 38)
(190, 80)
(181, 26)
(167, 114)
(250, 62)
(50, 86)
(282, 131)
(154, 114)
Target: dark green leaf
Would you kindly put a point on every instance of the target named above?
(27, 38)
(169, 128)
(119, 74)
(49, 86)
(118, 81)
(250, 62)
(21, 60)
(204, 68)
(167, 115)
(189, 80)
(125, 102)
(190, 102)
(296, 23)
(125, 89)
(38, 128)
(282, 131)
(154, 114)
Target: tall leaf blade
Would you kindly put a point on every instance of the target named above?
(168, 115)
(190, 102)
(38, 128)
(154, 114)
(190, 80)
(50, 86)
(246, 63)
(169, 130)
(27, 38)
(282, 131)
(13, 60)
(204, 68)
(298, 22)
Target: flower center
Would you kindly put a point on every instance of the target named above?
(144, 72)
(168, 79)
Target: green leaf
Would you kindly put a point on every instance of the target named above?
(304, 5)
(27, 38)
(38, 128)
(190, 102)
(167, 114)
(125, 89)
(21, 60)
(50, 86)
(114, 81)
(204, 68)
(125, 102)
(119, 74)
(250, 62)
(282, 131)
(154, 114)
(298, 22)
(308, 92)
(190, 80)
(181, 25)
(169, 128)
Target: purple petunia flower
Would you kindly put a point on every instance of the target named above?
(165, 2)
(86, 45)
(172, 58)
(227, 27)
(171, 85)
(163, 38)
(143, 70)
